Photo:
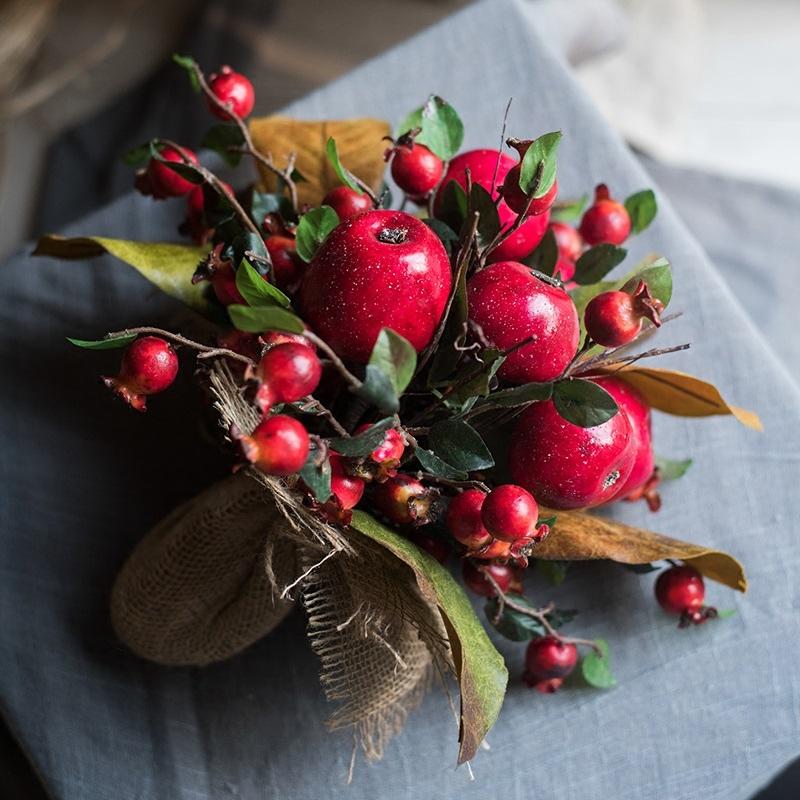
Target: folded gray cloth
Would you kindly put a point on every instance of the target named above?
(707, 713)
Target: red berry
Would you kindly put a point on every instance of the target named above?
(288, 266)
(615, 318)
(549, 659)
(347, 489)
(347, 202)
(403, 500)
(566, 466)
(290, 371)
(271, 338)
(234, 90)
(512, 305)
(565, 270)
(680, 590)
(431, 545)
(607, 221)
(517, 200)
(496, 550)
(416, 170)
(380, 269)
(391, 449)
(481, 164)
(149, 366)
(278, 446)
(165, 182)
(569, 241)
(464, 520)
(510, 513)
(246, 344)
(476, 580)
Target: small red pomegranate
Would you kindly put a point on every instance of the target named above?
(510, 513)
(288, 266)
(149, 366)
(279, 445)
(481, 164)
(511, 305)
(347, 202)
(615, 318)
(287, 372)
(516, 199)
(565, 466)
(164, 182)
(680, 589)
(565, 270)
(347, 490)
(476, 580)
(403, 500)
(221, 274)
(233, 90)
(464, 520)
(415, 169)
(379, 269)
(607, 221)
(569, 241)
(548, 661)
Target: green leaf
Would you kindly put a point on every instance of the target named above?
(554, 572)
(109, 343)
(169, 266)
(521, 395)
(263, 203)
(641, 569)
(313, 229)
(519, 627)
(363, 443)
(453, 205)
(642, 208)
(138, 156)
(257, 319)
(188, 63)
(317, 476)
(344, 175)
(672, 470)
(442, 130)
(432, 463)
(220, 138)
(569, 210)
(657, 276)
(726, 613)
(447, 236)
(396, 357)
(460, 445)
(256, 290)
(480, 670)
(538, 169)
(545, 257)
(597, 262)
(378, 390)
(479, 385)
(596, 669)
(583, 402)
(489, 219)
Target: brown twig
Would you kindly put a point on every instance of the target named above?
(315, 407)
(337, 362)
(500, 149)
(592, 364)
(453, 484)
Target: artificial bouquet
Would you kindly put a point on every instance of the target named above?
(402, 386)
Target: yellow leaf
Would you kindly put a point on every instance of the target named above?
(681, 394)
(359, 142)
(581, 537)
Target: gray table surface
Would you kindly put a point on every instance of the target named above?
(709, 713)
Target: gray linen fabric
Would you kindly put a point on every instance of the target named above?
(707, 713)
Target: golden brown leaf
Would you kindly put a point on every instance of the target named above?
(581, 537)
(359, 142)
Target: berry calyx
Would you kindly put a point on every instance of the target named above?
(510, 513)
(288, 267)
(347, 202)
(568, 239)
(287, 372)
(606, 221)
(278, 445)
(476, 581)
(404, 500)
(464, 521)
(495, 550)
(415, 169)
(149, 366)
(548, 661)
(615, 318)
(681, 590)
(160, 181)
(234, 91)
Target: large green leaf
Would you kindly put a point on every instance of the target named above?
(441, 129)
(481, 672)
(168, 266)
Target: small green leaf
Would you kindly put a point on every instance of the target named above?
(597, 262)
(642, 569)
(435, 466)
(257, 319)
(442, 130)
(672, 470)
(538, 169)
(457, 443)
(489, 219)
(221, 138)
(596, 669)
(479, 385)
(583, 402)
(569, 210)
(642, 208)
(256, 290)
(447, 236)
(452, 209)
(554, 572)
(522, 395)
(344, 175)
(363, 443)
(396, 357)
(378, 390)
(313, 229)
(317, 476)
(657, 276)
(726, 613)
(519, 627)
(188, 63)
(545, 257)
(109, 343)
(263, 203)
(138, 156)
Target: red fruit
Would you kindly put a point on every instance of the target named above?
(246, 344)
(565, 466)
(548, 661)
(223, 282)
(615, 318)
(606, 220)
(415, 169)
(435, 547)
(496, 550)
(271, 338)
(512, 305)
(464, 520)
(404, 500)
(517, 200)
(288, 266)
(347, 202)
(149, 365)
(476, 580)
(165, 182)
(278, 446)
(481, 164)
(196, 223)
(569, 241)
(510, 513)
(380, 269)
(347, 489)
(680, 590)
(290, 371)
(565, 270)
(234, 91)
(390, 450)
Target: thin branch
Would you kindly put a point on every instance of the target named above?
(315, 407)
(452, 483)
(500, 149)
(337, 362)
(604, 363)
